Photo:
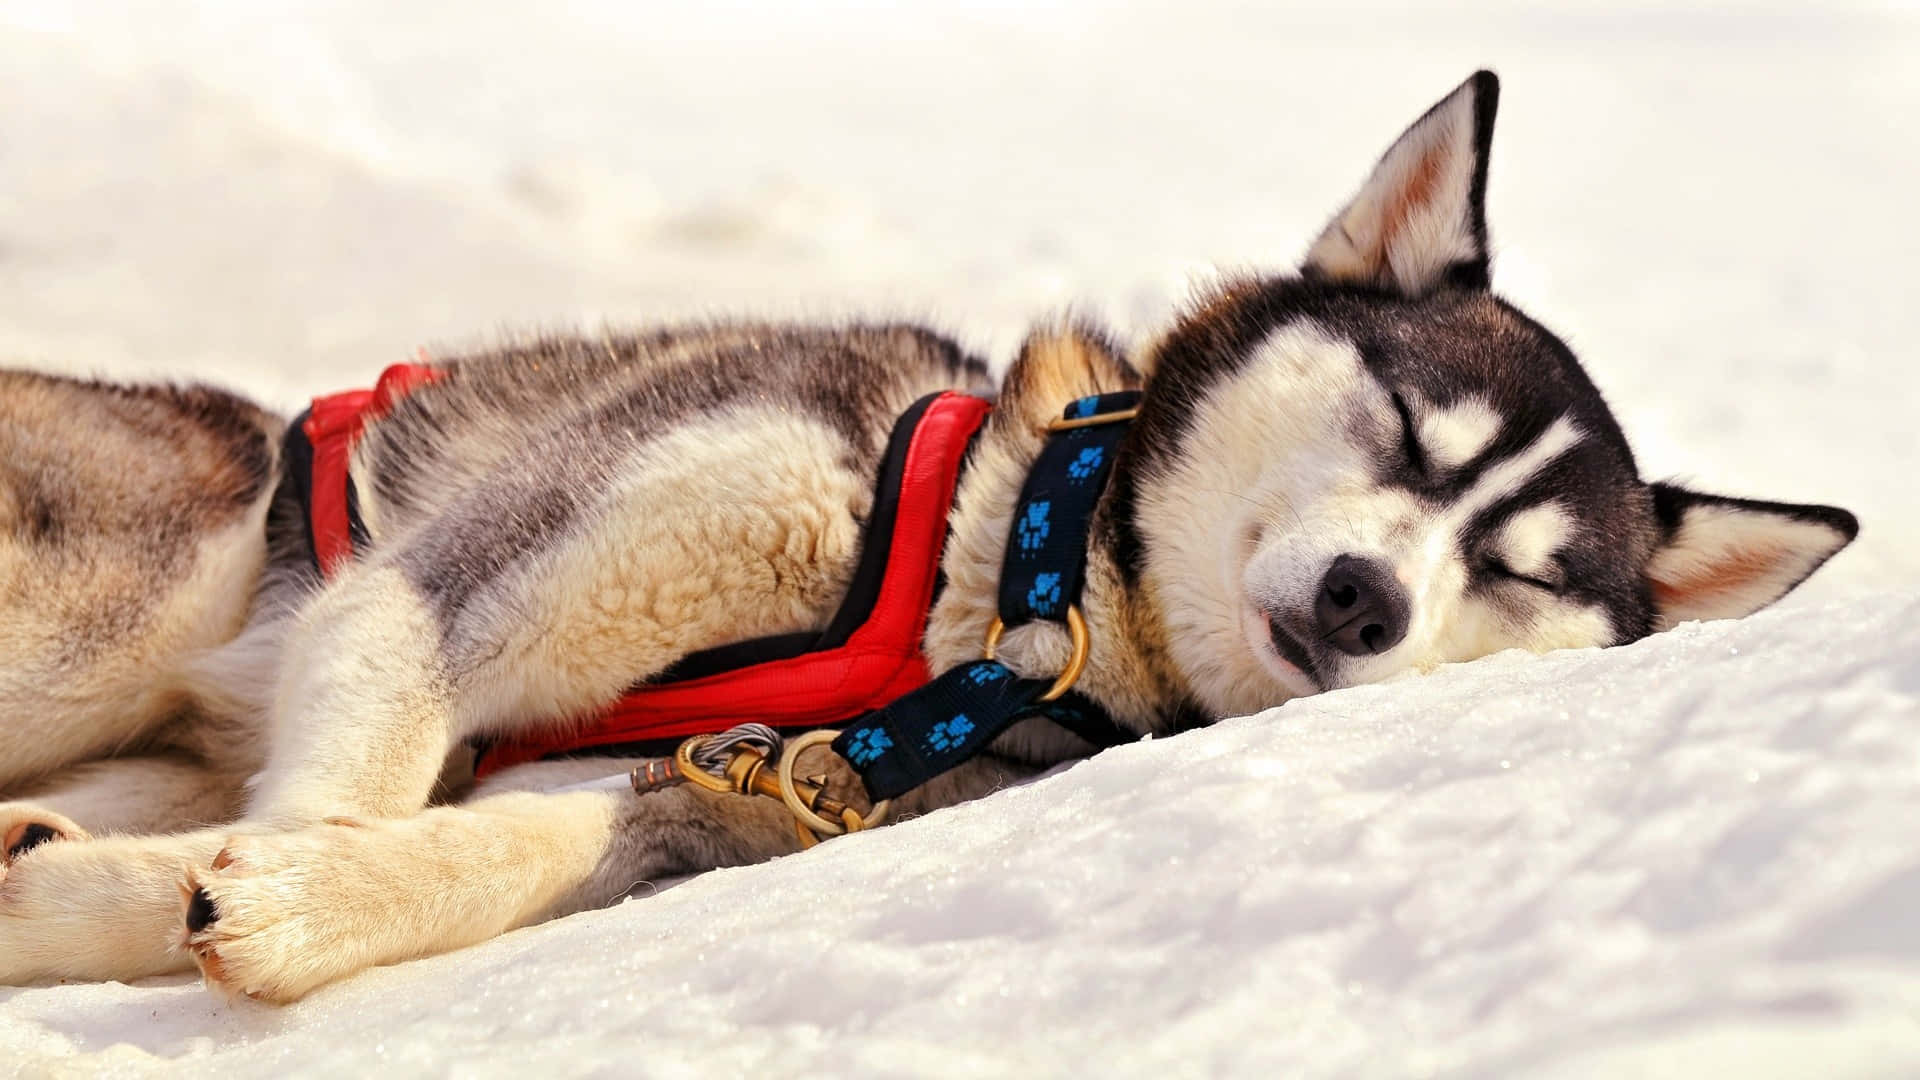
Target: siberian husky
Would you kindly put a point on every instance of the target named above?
(210, 755)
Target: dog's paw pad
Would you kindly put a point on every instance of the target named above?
(25, 838)
(274, 916)
(201, 911)
(29, 832)
(201, 916)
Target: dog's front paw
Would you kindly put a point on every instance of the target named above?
(276, 916)
(24, 826)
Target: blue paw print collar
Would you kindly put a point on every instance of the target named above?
(954, 717)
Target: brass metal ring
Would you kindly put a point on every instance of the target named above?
(1114, 417)
(683, 757)
(1076, 626)
(804, 814)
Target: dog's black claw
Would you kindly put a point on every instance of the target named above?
(200, 911)
(32, 837)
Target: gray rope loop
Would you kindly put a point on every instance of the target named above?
(714, 753)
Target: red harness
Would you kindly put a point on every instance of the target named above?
(879, 661)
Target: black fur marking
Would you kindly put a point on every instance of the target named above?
(1413, 455)
(1486, 106)
(1475, 274)
(39, 523)
(1671, 502)
(1601, 561)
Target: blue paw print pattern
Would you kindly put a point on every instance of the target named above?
(867, 746)
(987, 672)
(1087, 463)
(1033, 525)
(948, 734)
(1083, 407)
(1045, 594)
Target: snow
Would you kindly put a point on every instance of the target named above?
(1690, 853)
(1695, 854)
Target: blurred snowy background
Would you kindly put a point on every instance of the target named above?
(1695, 853)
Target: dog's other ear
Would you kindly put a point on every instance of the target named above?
(1420, 221)
(1724, 558)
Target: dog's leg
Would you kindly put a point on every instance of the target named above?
(379, 676)
(277, 915)
(108, 907)
(105, 909)
(464, 626)
(362, 721)
(364, 710)
(360, 724)
(153, 794)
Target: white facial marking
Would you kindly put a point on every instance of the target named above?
(1508, 475)
(1458, 433)
(1261, 445)
(1501, 479)
(1529, 538)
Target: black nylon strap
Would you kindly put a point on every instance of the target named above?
(1046, 560)
(936, 727)
(923, 734)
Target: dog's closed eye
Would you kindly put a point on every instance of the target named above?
(1551, 576)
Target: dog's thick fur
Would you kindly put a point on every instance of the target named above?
(209, 755)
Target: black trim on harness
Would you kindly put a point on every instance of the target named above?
(356, 525)
(297, 453)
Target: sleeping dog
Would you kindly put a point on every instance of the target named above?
(236, 735)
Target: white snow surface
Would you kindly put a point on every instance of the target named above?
(1693, 855)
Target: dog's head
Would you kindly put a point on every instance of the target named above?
(1377, 464)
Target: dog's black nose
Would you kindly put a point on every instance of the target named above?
(1361, 610)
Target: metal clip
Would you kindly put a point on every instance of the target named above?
(740, 767)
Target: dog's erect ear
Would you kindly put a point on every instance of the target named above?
(1420, 221)
(1724, 558)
